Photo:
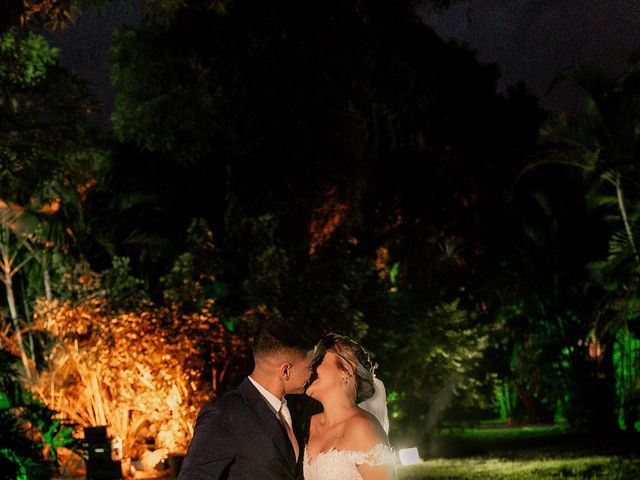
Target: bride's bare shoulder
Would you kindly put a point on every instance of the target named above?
(363, 432)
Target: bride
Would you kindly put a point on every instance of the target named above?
(345, 441)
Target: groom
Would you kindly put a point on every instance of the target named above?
(247, 433)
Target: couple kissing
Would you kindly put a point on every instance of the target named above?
(248, 432)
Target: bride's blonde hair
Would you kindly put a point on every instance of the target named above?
(353, 360)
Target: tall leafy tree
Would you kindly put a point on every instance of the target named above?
(48, 161)
(343, 150)
(595, 157)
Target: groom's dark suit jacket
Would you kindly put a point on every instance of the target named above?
(238, 436)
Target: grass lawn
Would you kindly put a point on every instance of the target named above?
(581, 468)
(497, 452)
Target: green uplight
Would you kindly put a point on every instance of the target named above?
(626, 359)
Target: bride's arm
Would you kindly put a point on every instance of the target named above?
(374, 458)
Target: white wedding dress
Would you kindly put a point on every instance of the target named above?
(336, 464)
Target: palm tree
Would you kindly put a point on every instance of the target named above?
(22, 239)
(8, 269)
(603, 145)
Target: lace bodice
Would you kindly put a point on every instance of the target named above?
(336, 464)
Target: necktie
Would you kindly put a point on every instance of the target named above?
(285, 419)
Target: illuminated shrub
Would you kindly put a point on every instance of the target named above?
(140, 371)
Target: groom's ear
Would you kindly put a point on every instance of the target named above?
(285, 370)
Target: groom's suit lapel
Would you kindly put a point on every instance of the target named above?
(267, 418)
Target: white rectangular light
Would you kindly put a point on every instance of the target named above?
(409, 456)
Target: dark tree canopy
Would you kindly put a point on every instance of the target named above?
(337, 163)
(351, 163)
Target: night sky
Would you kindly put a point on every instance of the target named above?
(534, 40)
(84, 46)
(530, 40)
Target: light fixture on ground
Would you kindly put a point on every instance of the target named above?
(103, 461)
(409, 456)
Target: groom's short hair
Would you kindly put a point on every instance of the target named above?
(277, 335)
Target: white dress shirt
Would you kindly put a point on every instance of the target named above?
(279, 405)
(271, 399)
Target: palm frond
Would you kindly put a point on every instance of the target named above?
(572, 133)
(619, 244)
(597, 200)
(591, 78)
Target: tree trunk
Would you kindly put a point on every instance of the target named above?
(14, 317)
(7, 272)
(46, 277)
(604, 392)
(27, 316)
(623, 214)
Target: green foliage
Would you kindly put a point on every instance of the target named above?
(192, 278)
(117, 284)
(337, 289)
(268, 261)
(180, 284)
(506, 399)
(24, 60)
(248, 113)
(314, 141)
(53, 433)
(26, 427)
(434, 369)
(16, 465)
(48, 164)
(48, 159)
(143, 104)
(626, 360)
(600, 148)
(122, 289)
(42, 110)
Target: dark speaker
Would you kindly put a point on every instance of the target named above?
(95, 434)
(99, 469)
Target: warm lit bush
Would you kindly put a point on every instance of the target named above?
(140, 371)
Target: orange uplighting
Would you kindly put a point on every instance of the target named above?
(326, 219)
(595, 349)
(85, 187)
(382, 262)
(139, 371)
(52, 207)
